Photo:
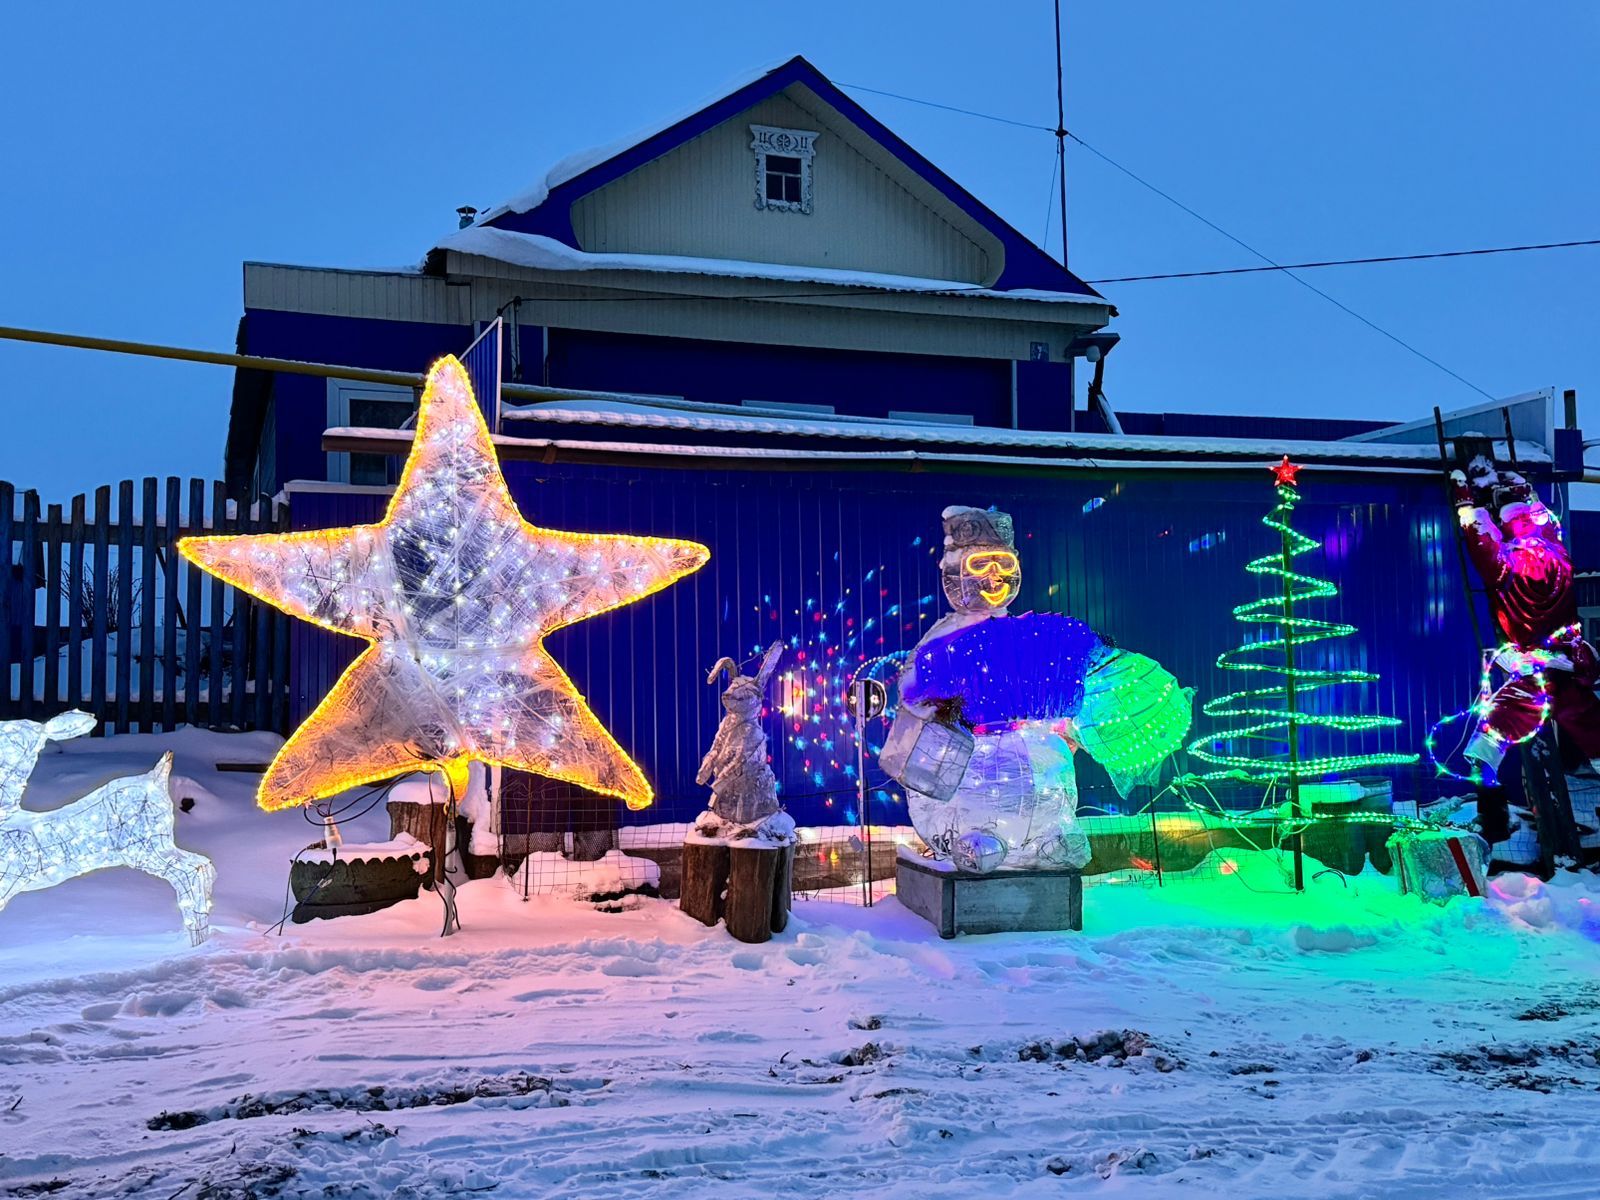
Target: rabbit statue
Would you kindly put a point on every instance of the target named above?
(744, 793)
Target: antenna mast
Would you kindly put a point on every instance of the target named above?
(1061, 138)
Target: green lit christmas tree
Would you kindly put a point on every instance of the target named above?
(1264, 744)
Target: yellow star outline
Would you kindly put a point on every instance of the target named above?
(454, 593)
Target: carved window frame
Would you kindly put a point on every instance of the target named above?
(789, 143)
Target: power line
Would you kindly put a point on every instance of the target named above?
(1285, 271)
(1049, 205)
(1304, 266)
(1351, 262)
(966, 112)
(1272, 264)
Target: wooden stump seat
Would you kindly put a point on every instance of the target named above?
(747, 887)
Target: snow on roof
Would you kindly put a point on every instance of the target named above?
(577, 163)
(546, 254)
(401, 438)
(643, 416)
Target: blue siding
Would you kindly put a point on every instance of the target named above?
(1201, 425)
(855, 382)
(1583, 539)
(1044, 396)
(301, 401)
(482, 361)
(844, 564)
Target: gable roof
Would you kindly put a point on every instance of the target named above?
(545, 210)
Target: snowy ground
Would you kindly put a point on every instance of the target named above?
(1345, 1043)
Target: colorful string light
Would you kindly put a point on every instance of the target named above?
(1528, 665)
(1016, 668)
(857, 632)
(1268, 712)
(1134, 716)
(1125, 710)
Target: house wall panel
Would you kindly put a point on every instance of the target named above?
(300, 402)
(869, 214)
(842, 567)
(853, 382)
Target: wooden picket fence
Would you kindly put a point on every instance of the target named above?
(99, 612)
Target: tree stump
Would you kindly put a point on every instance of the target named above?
(705, 879)
(783, 891)
(749, 906)
(747, 887)
(428, 823)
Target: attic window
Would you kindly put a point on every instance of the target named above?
(783, 179)
(783, 167)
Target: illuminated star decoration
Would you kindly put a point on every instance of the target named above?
(1286, 473)
(455, 593)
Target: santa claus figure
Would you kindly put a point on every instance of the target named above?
(1515, 544)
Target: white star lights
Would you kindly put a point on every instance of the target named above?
(455, 593)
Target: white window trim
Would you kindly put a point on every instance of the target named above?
(791, 143)
(340, 394)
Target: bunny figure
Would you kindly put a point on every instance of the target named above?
(744, 793)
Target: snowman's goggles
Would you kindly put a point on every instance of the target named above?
(993, 567)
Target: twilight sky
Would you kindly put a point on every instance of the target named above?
(147, 151)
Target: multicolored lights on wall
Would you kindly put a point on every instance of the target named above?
(859, 630)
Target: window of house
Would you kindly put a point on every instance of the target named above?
(783, 178)
(783, 167)
(371, 406)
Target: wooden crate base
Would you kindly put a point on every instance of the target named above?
(1003, 901)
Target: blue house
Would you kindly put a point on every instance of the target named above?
(772, 326)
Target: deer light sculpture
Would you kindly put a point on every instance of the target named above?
(125, 823)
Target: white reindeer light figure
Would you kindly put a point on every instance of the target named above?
(125, 823)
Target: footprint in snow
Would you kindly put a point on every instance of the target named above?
(156, 1004)
(629, 967)
(436, 982)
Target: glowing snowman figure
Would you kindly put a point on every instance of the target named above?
(126, 823)
(1023, 693)
(1017, 801)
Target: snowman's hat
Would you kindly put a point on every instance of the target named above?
(965, 528)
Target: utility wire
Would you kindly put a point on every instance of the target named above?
(1287, 272)
(1210, 224)
(1049, 206)
(1352, 262)
(966, 112)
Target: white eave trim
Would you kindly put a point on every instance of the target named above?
(538, 253)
